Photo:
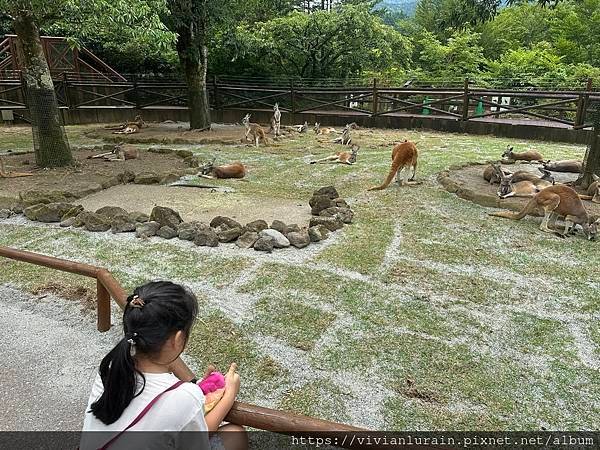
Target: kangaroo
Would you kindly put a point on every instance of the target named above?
(341, 157)
(233, 170)
(255, 130)
(525, 175)
(568, 165)
(276, 120)
(491, 173)
(318, 130)
(303, 128)
(525, 188)
(130, 127)
(530, 155)
(557, 201)
(120, 152)
(404, 155)
(345, 138)
(4, 174)
(593, 191)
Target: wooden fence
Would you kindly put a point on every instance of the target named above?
(570, 108)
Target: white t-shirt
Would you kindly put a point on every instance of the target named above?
(181, 409)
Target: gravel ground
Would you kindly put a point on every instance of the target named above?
(49, 361)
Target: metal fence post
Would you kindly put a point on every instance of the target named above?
(375, 97)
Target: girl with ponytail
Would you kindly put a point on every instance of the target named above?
(135, 389)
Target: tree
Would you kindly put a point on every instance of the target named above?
(192, 21)
(51, 145)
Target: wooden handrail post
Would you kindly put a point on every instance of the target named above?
(66, 89)
(216, 92)
(102, 307)
(375, 97)
(465, 111)
(136, 97)
(292, 97)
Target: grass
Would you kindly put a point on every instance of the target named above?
(424, 314)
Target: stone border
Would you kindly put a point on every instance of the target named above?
(330, 213)
(34, 197)
(468, 193)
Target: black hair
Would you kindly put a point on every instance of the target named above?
(167, 308)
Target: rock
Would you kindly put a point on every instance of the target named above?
(206, 237)
(279, 239)
(192, 161)
(167, 233)
(139, 217)
(279, 226)
(95, 222)
(126, 177)
(147, 178)
(68, 222)
(226, 234)
(331, 223)
(148, 229)
(222, 220)
(73, 212)
(318, 203)
(187, 231)
(292, 228)
(31, 198)
(328, 191)
(341, 203)
(184, 154)
(166, 217)
(318, 233)
(169, 178)
(265, 244)
(247, 239)
(48, 213)
(257, 226)
(5, 213)
(299, 239)
(111, 211)
(122, 224)
(344, 214)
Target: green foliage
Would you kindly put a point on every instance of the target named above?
(345, 42)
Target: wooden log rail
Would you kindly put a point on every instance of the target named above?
(244, 414)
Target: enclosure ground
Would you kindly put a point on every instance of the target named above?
(423, 314)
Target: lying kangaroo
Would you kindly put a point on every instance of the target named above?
(525, 188)
(568, 165)
(129, 127)
(491, 173)
(318, 130)
(4, 174)
(233, 170)
(341, 157)
(255, 130)
(404, 155)
(525, 175)
(120, 152)
(530, 155)
(593, 191)
(557, 201)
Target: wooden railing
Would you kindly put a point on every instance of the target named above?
(243, 414)
(469, 102)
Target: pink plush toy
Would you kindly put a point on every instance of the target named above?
(213, 387)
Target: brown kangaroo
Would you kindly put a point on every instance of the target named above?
(233, 170)
(4, 174)
(557, 201)
(404, 155)
(530, 155)
(568, 165)
(341, 157)
(525, 188)
(129, 127)
(593, 191)
(319, 130)
(491, 173)
(257, 132)
(120, 152)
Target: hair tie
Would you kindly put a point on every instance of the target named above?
(131, 342)
(137, 302)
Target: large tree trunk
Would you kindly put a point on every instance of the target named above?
(591, 162)
(50, 141)
(193, 57)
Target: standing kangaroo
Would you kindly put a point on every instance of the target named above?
(404, 155)
(530, 155)
(276, 120)
(341, 157)
(557, 201)
(255, 130)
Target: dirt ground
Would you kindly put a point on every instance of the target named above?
(175, 133)
(85, 175)
(473, 187)
(200, 204)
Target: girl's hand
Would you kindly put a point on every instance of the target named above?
(210, 369)
(232, 381)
